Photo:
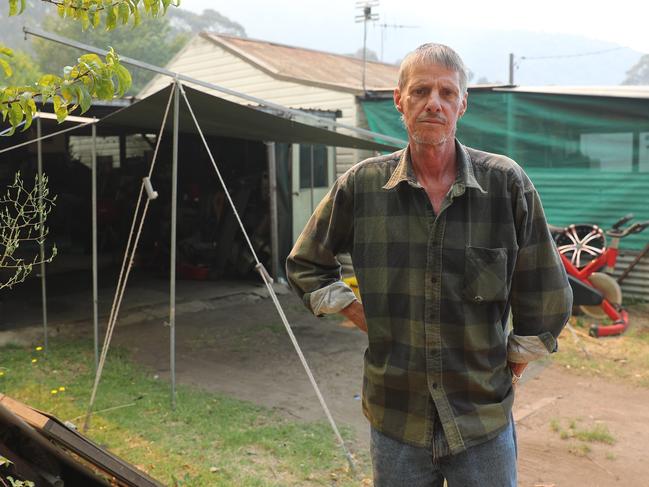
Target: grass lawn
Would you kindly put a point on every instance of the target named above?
(623, 357)
(210, 440)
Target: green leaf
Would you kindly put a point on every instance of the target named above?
(60, 10)
(13, 7)
(27, 109)
(136, 17)
(96, 19)
(67, 92)
(85, 20)
(123, 79)
(91, 61)
(104, 88)
(57, 102)
(15, 114)
(49, 80)
(6, 68)
(124, 13)
(61, 114)
(84, 99)
(111, 18)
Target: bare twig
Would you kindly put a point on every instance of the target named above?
(22, 216)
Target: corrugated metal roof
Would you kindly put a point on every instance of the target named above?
(310, 66)
(621, 91)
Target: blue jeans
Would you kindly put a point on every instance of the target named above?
(489, 464)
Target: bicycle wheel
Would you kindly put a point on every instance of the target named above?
(610, 290)
(581, 243)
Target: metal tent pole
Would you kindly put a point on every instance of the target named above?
(272, 194)
(95, 291)
(39, 151)
(172, 263)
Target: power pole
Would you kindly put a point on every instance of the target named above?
(511, 68)
(365, 17)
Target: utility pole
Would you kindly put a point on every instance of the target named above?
(365, 17)
(394, 26)
(511, 68)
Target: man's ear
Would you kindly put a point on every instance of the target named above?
(397, 99)
(464, 104)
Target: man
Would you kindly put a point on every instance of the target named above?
(445, 240)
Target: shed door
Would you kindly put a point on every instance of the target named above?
(312, 174)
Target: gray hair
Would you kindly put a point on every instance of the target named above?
(431, 53)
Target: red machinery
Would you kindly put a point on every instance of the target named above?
(584, 253)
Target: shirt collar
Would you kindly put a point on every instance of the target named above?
(465, 177)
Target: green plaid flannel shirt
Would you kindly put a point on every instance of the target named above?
(437, 290)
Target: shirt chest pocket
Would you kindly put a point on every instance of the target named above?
(485, 274)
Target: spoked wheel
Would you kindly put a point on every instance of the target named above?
(581, 243)
(610, 290)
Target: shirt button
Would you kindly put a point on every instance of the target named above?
(478, 299)
(434, 385)
(433, 279)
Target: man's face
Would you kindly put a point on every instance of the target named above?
(431, 103)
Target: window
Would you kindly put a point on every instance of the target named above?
(313, 166)
(608, 152)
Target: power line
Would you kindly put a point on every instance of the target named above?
(591, 53)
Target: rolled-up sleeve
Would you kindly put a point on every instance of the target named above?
(312, 268)
(541, 296)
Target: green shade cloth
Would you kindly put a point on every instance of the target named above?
(588, 156)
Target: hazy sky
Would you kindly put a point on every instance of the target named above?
(329, 25)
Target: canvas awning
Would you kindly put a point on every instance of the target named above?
(219, 117)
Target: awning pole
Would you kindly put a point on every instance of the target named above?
(172, 263)
(39, 150)
(272, 193)
(95, 291)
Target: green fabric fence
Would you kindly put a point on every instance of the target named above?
(588, 156)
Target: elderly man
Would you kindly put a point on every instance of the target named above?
(445, 240)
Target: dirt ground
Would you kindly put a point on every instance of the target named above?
(241, 349)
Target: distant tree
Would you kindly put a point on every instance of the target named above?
(639, 72)
(371, 55)
(483, 80)
(210, 21)
(153, 41)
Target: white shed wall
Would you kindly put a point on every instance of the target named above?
(204, 60)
